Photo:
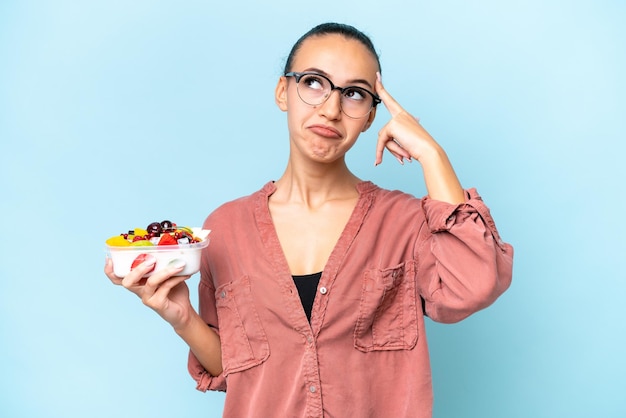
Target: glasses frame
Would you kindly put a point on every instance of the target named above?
(298, 76)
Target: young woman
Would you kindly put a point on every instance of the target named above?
(314, 289)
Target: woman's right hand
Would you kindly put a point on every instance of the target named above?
(165, 292)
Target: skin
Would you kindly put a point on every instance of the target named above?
(317, 193)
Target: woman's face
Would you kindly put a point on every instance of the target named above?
(323, 132)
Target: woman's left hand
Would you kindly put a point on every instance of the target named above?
(403, 135)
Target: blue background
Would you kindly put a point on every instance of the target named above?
(117, 113)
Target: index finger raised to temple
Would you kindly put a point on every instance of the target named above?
(390, 103)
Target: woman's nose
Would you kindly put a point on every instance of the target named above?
(331, 108)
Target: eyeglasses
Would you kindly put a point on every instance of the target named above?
(314, 89)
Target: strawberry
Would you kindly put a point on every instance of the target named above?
(167, 239)
(140, 259)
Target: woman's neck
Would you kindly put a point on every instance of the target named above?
(314, 184)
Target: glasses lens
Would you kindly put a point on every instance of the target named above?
(313, 89)
(356, 102)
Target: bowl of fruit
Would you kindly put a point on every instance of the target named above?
(165, 242)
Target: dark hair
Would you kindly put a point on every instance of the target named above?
(349, 32)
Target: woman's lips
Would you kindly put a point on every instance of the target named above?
(325, 131)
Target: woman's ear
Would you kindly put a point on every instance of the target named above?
(280, 94)
(370, 120)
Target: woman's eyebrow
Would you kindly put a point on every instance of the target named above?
(350, 82)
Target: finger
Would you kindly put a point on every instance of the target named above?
(380, 148)
(395, 148)
(156, 280)
(390, 103)
(386, 140)
(133, 278)
(381, 143)
(397, 151)
(160, 296)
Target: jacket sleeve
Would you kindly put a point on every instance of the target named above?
(204, 380)
(463, 264)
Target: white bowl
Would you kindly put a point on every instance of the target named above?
(123, 257)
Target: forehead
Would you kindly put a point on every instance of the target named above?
(336, 55)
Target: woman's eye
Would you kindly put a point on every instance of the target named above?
(313, 82)
(355, 94)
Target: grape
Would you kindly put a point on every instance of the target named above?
(154, 228)
(167, 225)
